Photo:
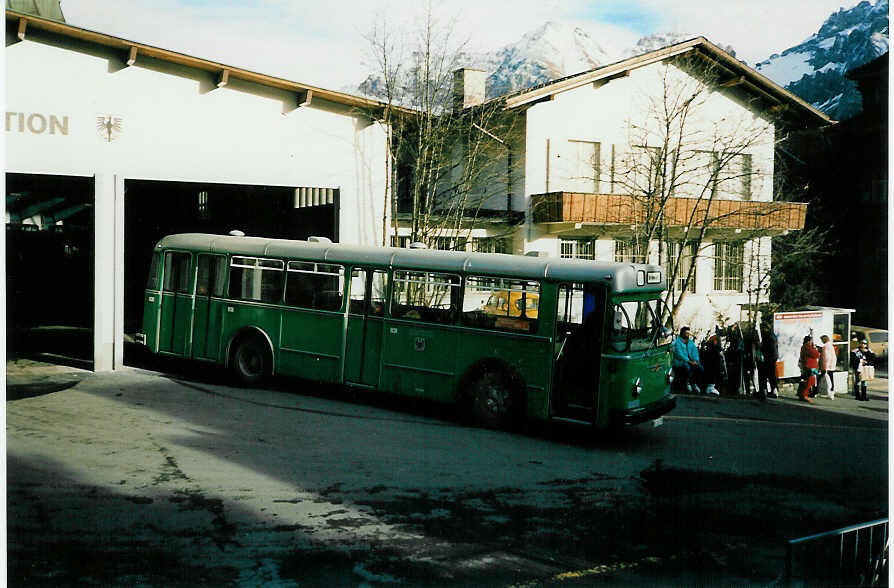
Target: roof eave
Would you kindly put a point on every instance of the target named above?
(136, 49)
(761, 82)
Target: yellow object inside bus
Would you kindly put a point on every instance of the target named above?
(506, 303)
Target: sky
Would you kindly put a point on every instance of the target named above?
(323, 43)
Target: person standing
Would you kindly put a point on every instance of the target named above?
(711, 356)
(861, 358)
(809, 363)
(828, 361)
(751, 357)
(686, 362)
(767, 368)
(734, 352)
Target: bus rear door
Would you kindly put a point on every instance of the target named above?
(210, 283)
(363, 344)
(580, 317)
(176, 303)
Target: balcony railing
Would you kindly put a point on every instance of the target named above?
(618, 209)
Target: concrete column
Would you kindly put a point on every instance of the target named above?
(108, 274)
(119, 273)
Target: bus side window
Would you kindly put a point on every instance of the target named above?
(378, 296)
(211, 275)
(431, 297)
(256, 279)
(176, 272)
(492, 303)
(358, 291)
(315, 285)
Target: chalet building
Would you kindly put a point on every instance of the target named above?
(578, 155)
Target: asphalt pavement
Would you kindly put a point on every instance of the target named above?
(177, 478)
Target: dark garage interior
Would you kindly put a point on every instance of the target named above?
(49, 267)
(154, 209)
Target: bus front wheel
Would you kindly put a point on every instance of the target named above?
(250, 361)
(494, 399)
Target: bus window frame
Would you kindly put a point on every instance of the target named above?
(239, 299)
(452, 312)
(344, 290)
(190, 283)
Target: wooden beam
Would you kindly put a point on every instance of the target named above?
(733, 82)
(305, 97)
(132, 56)
(224, 78)
(23, 24)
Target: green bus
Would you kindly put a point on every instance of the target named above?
(571, 340)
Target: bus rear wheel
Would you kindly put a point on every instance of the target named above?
(494, 399)
(250, 362)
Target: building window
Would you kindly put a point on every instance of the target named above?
(490, 245)
(730, 175)
(202, 205)
(729, 258)
(630, 252)
(400, 241)
(739, 176)
(648, 166)
(449, 243)
(672, 252)
(583, 169)
(578, 249)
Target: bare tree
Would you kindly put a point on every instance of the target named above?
(447, 161)
(684, 167)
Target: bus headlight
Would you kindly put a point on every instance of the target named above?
(637, 388)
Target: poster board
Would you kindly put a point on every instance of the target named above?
(791, 328)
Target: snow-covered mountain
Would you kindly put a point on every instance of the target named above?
(552, 51)
(815, 69)
(661, 40)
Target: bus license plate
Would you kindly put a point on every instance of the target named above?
(658, 422)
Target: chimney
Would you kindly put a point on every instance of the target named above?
(468, 88)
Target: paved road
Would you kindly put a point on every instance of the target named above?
(141, 477)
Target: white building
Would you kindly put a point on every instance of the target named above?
(112, 143)
(579, 146)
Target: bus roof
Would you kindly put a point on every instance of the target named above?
(619, 277)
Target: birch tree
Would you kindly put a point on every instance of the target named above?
(447, 165)
(682, 165)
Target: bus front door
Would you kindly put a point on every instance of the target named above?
(578, 342)
(176, 303)
(210, 283)
(363, 340)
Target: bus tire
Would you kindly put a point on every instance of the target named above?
(495, 397)
(251, 361)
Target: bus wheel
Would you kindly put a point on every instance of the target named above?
(250, 361)
(493, 399)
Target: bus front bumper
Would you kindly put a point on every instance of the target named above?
(634, 416)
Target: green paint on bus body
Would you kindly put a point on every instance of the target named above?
(560, 370)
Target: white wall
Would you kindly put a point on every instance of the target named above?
(177, 125)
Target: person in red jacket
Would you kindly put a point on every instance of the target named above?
(809, 363)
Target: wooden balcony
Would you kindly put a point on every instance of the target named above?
(617, 209)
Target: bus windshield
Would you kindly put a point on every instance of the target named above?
(637, 325)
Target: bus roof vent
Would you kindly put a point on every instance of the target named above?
(236, 233)
(319, 240)
(537, 254)
(418, 245)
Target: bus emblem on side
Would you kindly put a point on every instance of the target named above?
(420, 343)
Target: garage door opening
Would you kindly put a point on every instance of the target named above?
(153, 209)
(49, 268)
